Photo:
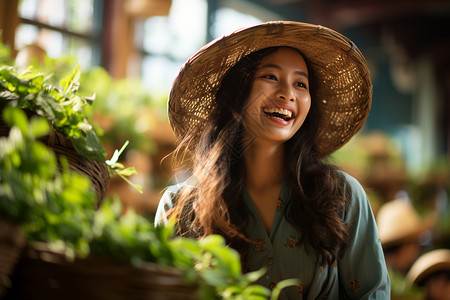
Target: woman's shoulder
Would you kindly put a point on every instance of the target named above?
(352, 182)
(359, 204)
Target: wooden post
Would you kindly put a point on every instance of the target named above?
(8, 22)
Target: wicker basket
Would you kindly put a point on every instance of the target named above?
(96, 171)
(12, 242)
(42, 274)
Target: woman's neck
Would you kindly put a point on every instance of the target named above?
(264, 165)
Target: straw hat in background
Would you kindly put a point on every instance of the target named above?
(29, 54)
(343, 88)
(398, 222)
(429, 263)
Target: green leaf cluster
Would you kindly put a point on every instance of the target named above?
(62, 107)
(52, 206)
(219, 269)
(209, 263)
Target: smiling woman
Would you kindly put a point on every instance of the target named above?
(258, 112)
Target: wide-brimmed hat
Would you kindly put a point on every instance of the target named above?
(398, 222)
(431, 262)
(343, 87)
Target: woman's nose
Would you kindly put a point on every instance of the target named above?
(285, 92)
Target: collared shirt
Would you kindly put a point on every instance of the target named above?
(360, 274)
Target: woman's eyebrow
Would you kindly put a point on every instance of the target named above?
(299, 72)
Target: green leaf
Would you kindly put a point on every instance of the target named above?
(255, 275)
(256, 292)
(89, 147)
(137, 187)
(227, 258)
(16, 117)
(39, 127)
(70, 82)
(281, 285)
(127, 171)
(115, 158)
(7, 95)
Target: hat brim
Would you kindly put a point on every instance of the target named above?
(343, 88)
(429, 263)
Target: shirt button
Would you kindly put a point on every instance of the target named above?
(272, 286)
(269, 261)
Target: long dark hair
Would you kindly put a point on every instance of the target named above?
(211, 202)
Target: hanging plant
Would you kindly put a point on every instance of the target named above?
(63, 107)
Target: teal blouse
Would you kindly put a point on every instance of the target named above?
(361, 273)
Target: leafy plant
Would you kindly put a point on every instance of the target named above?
(53, 206)
(62, 107)
(209, 263)
(65, 110)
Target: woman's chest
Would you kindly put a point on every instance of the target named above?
(283, 255)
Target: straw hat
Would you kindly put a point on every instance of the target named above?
(427, 264)
(343, 85)
(398, 221)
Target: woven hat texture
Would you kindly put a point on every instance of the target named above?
(343, 85)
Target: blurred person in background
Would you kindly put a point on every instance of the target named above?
(32, 54)
(401, 228)
(387, 174)
(258, 112)
(432, 272)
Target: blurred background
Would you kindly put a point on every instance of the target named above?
(130, 51)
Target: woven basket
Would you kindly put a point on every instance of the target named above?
(11, 246)
(96, 171)
(42, 274)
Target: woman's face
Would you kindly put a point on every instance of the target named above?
(279, 99)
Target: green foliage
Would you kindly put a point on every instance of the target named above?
(124, 237)
(216, 268)
(66, 111)
(53, 206)
(64, 108)
(401, 287)
(116, 168)
(5, 53)
(126, 108)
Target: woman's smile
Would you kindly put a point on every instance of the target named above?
(284, 114)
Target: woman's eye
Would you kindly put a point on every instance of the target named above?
(271, 77)
(301, 84)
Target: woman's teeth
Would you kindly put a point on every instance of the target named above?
(278, 112)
